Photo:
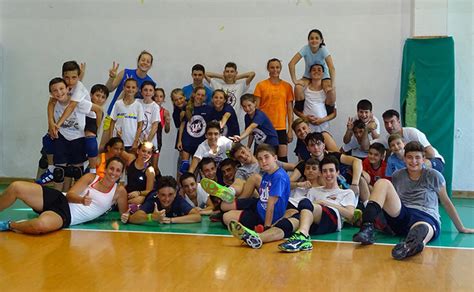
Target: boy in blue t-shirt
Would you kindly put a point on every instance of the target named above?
(274, 191)
(198, 73)
(395, 160)
(163, 206)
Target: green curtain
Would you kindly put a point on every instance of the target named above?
(427, 94)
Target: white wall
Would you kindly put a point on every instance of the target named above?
(365, 38)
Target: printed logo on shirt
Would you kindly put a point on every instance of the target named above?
(259, 136)
(196, 126)
(264, 191)
(231, 98)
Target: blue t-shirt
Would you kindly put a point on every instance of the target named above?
(231, 128)
(276, 184)
(188, 91)
(310, 59)
(393, 164)
(301, 150)
(179, 207)
(128, 73)
(195, 128)
(264, 132)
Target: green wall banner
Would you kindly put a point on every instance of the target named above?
(427, 94)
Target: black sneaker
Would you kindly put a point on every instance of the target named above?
(413, 243)
(366, 234)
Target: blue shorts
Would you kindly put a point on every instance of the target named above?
(69, 152)
(437, 163)
(409, 216)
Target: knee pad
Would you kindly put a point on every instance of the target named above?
(330, 108)
(43, 162)
(58, 174)
(285, 225)
(48, 144)
(184, 166)
(306, 204)
(299, 105)
(283, 158)
(76, 172)
(92, 150)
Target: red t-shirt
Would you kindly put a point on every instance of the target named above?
(375, 174)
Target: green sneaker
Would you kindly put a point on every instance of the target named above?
(248, 236)
(217, 190)
(357, 218)
(297, 242)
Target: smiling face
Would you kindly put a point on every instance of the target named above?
(189, 186)
(374, 156)
(414, 161)
(248, 107)
(302, 130)
(396, 146)
(179, 100)
(243, 155)
(317, 72)
(218, 99)
(145, 151)
(314, 40)
(144, 62)
(159, 97)
(329, 174)
(228, 173)
(212, 135)
(274, 69)
(59, 91)
(364, 115)
(209, 171)
(113, 171)
(311, 172)
(116, 149)
(130, 88)
(229, 75)
(199, 97)
(71, 78)
(166, 196)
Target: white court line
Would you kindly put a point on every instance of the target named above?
(221, 235)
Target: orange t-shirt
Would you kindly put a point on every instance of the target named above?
(274, 100)
(101, 167)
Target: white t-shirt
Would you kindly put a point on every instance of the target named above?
(314, 104)
(234, 92)
(339, 197)
(224, 144)
(73, 126)
(413, 134)
(151, 112)
(126, 119)
(202, 197)
(80, 92)
(101, 202)
(298, 194)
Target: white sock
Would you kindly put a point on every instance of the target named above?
(92, 170)
(51, 168)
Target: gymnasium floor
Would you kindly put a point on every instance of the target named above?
(108, 255)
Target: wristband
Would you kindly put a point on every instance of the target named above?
(149, 218)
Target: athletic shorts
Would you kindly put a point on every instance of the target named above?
(249, 216)
(159, 137)
(69, 152)
(91, 125)
(328, 223)
(282, 137)
(55, 201)
(409, 216)
(437, 163)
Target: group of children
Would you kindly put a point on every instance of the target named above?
(257, 195)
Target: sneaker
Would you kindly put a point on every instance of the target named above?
(45, 178)
(217, 217)
(248, 236)
(297, 242)
(215, 189)
(366, 234)
(413, 243)
(4, 225)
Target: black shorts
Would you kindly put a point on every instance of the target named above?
(91, 125)
(282, 137)
(249, 216)
(55, 201)
(159, 136)
(409, 216)
(328, 223)
(69, 152)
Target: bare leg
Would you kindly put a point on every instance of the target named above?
(385, 195)
(230, 216)
(307, 218)
(283, 151)
(331, 145)
(275, 233)
(252, 184)
(30, 193)
(364, 191)
(330, 92)
(47, 222)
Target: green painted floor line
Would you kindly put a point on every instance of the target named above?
(110, 222)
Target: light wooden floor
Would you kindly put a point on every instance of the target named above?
(116, 261)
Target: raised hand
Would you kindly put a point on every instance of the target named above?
(86, 200)
(125, 216)
(350, 123)
(113, 71)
